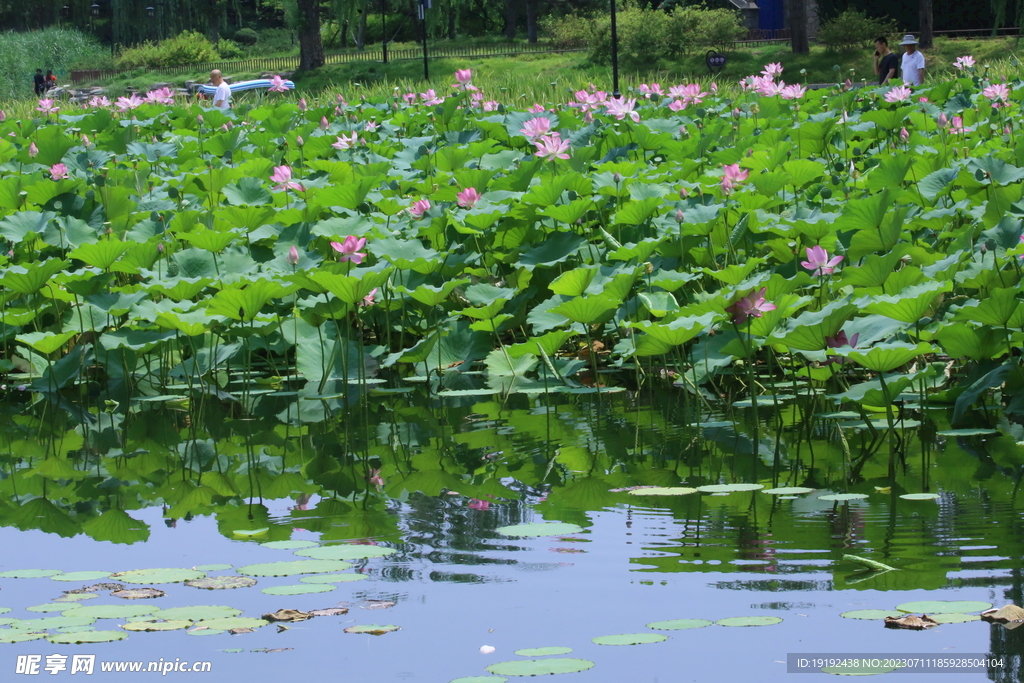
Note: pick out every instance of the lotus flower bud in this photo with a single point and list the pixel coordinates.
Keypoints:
(160, 248)
(736, 113)
(679, 216)
(904, 134)
(199, 119)
(323, 123)
(616, 177)
(683, 193)
(293, 256)
(943, 120)
(299, 141)
(32, 150)
(302, 104)
(3, 115)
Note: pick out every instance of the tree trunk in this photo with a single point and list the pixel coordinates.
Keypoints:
(798, 26)
(531, 20)
(511, 18)
(361, 31)
(451, 21)
(311, 47)
(924, 8)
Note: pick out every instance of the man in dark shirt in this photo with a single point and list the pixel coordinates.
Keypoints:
(887, 64)
(39, 80)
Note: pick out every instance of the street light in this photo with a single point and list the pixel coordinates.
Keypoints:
(151, 11)
(615, 56)
(421, 9)
(95, 9)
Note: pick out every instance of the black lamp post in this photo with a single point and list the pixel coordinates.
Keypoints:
(615, 56)
(384, 30)
(422, 7)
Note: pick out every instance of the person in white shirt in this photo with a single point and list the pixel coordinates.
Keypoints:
(913, 62)
(221, 98)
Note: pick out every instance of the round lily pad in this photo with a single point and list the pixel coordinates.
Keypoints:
(919, 496)
(173, 575)
(81, 576)
(87, 637)
(233, 649)
(75, 629)
(294, 567)
(138, 593)
(788, 490)
(372, 629)
(480, 679)
(539, 667)
(299, 589)
(9, 636)
(211, 583)
(205, 632)
(871, 614)
(175, 625)
(7, 621)
(30, 573)
(630, 639)
(48, 607)
(249, 533)
(749, 621)
(931, 607)
(76, 597)
(955, 618)
(663, 491)
(48, 623)
(110, 611)
(4, 610)
(729, 488)
(843, 496)
(332, 578)
(540, 529)
(863, 670)
(679, 624)
(543, 651)
(288, 545)
(225, 623)
(967, 432)
(348, 551)
(198, 612)
(211, 567)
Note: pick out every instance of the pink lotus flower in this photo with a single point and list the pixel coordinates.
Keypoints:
(752, 305)
(904, 134)
(957, 125)
(282, 175)
(766, 87)
(463, 77)
(652, 89)
(345, 142)
(85, 140)
(277, 85)
(733, 174)
(374, 477)
(588, 101)
(409, 97)
(160, 96)
(370, 126)
(48, 106)
(772, 70)
(430, 98)
(468, 198)
(98, 102)
(349, 249)
(129, 103)
(962, 63)
(900, 93)
(58, 171)
(841, 340)
(677, 105)
(537, 108)
(324, 123)
(997, 92)
(3, 116)
(819, 263)
(368, 299)
(621, 108)
(534, 128)
(793, 92)
(552, 147)
(490, 105)
(689, 94)
(943, 120)
(419, 208)
(476, 504)
(33, 151)
(339, 99)
(293, 256)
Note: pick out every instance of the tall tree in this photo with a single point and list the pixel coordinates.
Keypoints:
(311, 47)
(531, 20)
(924, 9)
(798, 27)
(511, 18)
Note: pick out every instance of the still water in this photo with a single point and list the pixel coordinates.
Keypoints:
(434, 478)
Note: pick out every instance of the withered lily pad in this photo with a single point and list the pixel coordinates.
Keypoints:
(272, 649)
(138, 593)
(377, 604)
(329, 612)
(294, 567)
(87, 637)
(539, 667)
(95, 587)
(1004, 614)
(173, 625)
(239, 631)
(911, 621)
(630, 639)
(221, 582)
(225, 623)
(172, 575)
(288, 615)
(76, 597)
(372, 629)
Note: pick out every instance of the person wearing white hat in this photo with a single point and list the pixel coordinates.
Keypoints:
(913, 62)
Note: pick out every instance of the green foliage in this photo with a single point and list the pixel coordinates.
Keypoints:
(853, 29)
(246, 36)
(53, 48)
(188, 47)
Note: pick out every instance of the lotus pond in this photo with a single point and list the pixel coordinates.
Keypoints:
(438, 388)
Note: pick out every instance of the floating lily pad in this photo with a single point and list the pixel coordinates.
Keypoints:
(933, 607)
(198, 612)
(288, 545)
(630, 639)
(76, 597)
(543, 651)
(110, 611)
(294, 567)
(4, 610)
(211, 583)
(81, 576)
(299, 589)
(233, 650)
(480, 679)
(75, 629)
(48, 607)
(967, 432)
(30, 573)
(871, 614)
(788, 491)
(7, 621)
(843, 496)
(679, 624)
(663, 491)
(749, 621)
(729, 488)
(172, 575)
(346, 552)
(211, 567)
(48, 623)
(175, 625)
(540, 667)
(863, 670)
(954, 618)
(919, 496)
(205, 631)
(332, 578)
(9, 636)
(87, 637)
(225, 623)
(372, 629)
(249, 533)
(138, 593)
(540, 529)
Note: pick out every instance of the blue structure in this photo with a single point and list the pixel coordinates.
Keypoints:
(771, 16)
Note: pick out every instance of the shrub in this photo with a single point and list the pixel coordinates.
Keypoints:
(853, 29)
(246, 36)
(53, 48)
(229, 49)
(188, 47)
(710, 28)
(568, 31)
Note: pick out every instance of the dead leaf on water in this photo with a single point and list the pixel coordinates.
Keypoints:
(329, 612)
(911, 621)
(97, 587)
(1005, 614)
(236, 631)
(377, 604)
(288, 615)
(138, 593)
(272, 649)
(566, 550)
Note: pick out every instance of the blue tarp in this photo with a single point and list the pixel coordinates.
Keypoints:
(262, 83)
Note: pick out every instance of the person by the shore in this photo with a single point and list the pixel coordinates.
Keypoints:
(913, 62)
(39, 82)
(887, 64)
(222, 97)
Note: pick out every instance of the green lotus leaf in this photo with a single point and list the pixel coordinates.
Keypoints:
(843, 496)
(919, 496)
(78, 637)
(944, 606)
(332, 578)
(873, 614)
(157, 625)
(729, 488)
(540, 529)
(663, 491)
(346, 551)
(289, 545)
(49, 623)
(48, 607)
(372, 629)
(954, 618)
(196, 613)
(787, 490)
(212, 567)
(204, 631)
(45, 342)
(630, 639)
(172, 575)
(110, 611)
(19, 636)
(100, 254)
(298, 589)
(679, 624)
(543, 651)
(885, 357)
(540, 667)
(294, 567)
(81, 576)
(749, 621)
(29, 573)
(30, 280)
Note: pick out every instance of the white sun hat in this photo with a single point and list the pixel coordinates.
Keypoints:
(909, 40)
